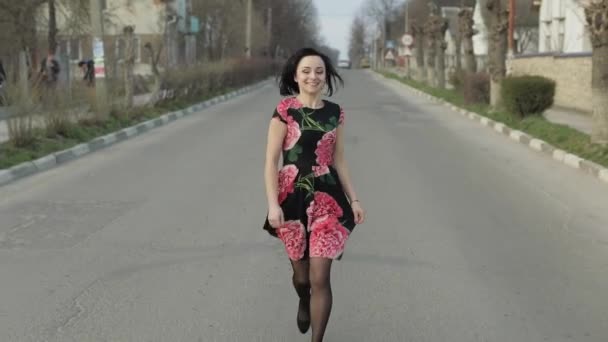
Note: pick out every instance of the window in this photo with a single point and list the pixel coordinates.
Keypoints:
(561, 33)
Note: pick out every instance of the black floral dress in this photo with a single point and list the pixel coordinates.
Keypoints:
(318, 216)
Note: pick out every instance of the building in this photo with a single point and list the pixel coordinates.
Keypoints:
(154, 21)
(563, 27)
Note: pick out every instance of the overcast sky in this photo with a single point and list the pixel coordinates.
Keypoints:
(335, 17)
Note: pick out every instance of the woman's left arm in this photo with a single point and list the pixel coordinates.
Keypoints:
(341, 166)
(342, 169)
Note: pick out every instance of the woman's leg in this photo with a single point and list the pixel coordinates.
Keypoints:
(301, 283)
(321, 300)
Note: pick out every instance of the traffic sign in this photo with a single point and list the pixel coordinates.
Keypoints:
(389, 55)
(407, 39)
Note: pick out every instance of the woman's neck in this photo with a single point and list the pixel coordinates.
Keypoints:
(310, 100)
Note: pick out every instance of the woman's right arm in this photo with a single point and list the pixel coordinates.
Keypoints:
(276, 134)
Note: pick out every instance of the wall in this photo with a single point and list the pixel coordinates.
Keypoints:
(563, 27)
(572, 74)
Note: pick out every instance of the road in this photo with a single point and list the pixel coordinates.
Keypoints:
(469, 237)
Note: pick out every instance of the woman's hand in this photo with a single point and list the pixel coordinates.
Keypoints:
(358, 212)
(275, 216)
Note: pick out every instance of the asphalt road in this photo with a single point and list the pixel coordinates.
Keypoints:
(469, 237)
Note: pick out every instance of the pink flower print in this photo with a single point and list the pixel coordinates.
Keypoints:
(293, 235)
(287, 176)
(285, 104)
(325, 148)
(293, 134)
(328, 238)
(322, 205)
(320, 170)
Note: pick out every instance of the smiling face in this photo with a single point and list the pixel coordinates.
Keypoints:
(310, 75)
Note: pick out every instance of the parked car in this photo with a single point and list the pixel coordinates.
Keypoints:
(364, 63)
(344, 64)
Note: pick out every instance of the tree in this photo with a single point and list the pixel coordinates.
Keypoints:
(356, 48)
(596, 14)
(382, 12)
(465, 25)
(129, 65)
(418, 14)
(436, 28)
(495, 17)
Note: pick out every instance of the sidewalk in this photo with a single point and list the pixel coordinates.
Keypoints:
(570, 117)
(138, 100)
(575, 119)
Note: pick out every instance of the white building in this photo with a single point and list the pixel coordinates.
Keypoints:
(563, 27)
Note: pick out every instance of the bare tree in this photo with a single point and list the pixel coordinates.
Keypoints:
(129, 63)
(495, 17)
(356, 49)
(382, 12)
(465, 23)
(596, 14)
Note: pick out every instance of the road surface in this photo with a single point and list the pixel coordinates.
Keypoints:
(469, 237)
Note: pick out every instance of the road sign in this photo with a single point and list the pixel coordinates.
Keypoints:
(389, 55)
(390, 44)
(407, 39)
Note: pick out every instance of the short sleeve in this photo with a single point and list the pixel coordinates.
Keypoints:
(341, 118)
(277, 115)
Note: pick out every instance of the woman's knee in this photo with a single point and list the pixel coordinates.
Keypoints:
(320, 277)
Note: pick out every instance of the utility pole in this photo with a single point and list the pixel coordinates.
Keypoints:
(101, 96)
(407, 16)
(248, 29)
(269, 31)
(190, 35)
(511, 27)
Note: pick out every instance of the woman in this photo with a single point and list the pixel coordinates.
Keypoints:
(312, 204)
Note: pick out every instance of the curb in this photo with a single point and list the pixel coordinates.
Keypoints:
(55, 159)
(571, 160)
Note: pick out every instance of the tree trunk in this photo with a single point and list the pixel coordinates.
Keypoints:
(129, 65)
(599, 88)
(419, 38)
(495, 18)
(458, 54)
(441, 47)
(52, 39)
(467, 32)
(440, 30)
(430, 61)
(596, 14)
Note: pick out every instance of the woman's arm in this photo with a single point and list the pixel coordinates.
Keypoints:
(276, 134)
(341, 166)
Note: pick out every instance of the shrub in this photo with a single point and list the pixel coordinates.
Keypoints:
(456, 79)
(476, 88)
(527, 95)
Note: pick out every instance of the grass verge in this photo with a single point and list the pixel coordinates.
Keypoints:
(88, 129)
(559, 136)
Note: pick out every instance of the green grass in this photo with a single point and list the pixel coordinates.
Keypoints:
(560, 136)
(87, 130)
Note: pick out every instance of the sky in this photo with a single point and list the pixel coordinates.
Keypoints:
(335, 17)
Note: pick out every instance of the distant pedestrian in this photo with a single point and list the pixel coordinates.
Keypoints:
(88, 71)
(49, 70)
(312, 204)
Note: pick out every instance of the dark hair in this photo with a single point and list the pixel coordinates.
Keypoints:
(287, 85)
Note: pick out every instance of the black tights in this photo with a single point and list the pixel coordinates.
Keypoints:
(312, 278)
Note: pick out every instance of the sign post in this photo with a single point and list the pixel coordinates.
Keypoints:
(408, 40)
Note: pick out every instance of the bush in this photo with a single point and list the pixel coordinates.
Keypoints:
(527, 95)
(476, 88)
(456, 79)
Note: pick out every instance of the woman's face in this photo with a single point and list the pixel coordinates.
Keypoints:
(310, 75)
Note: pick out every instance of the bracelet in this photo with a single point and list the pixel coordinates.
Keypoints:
(356, 200)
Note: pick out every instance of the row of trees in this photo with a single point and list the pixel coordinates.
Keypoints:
(428, 27)
(30, 28)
